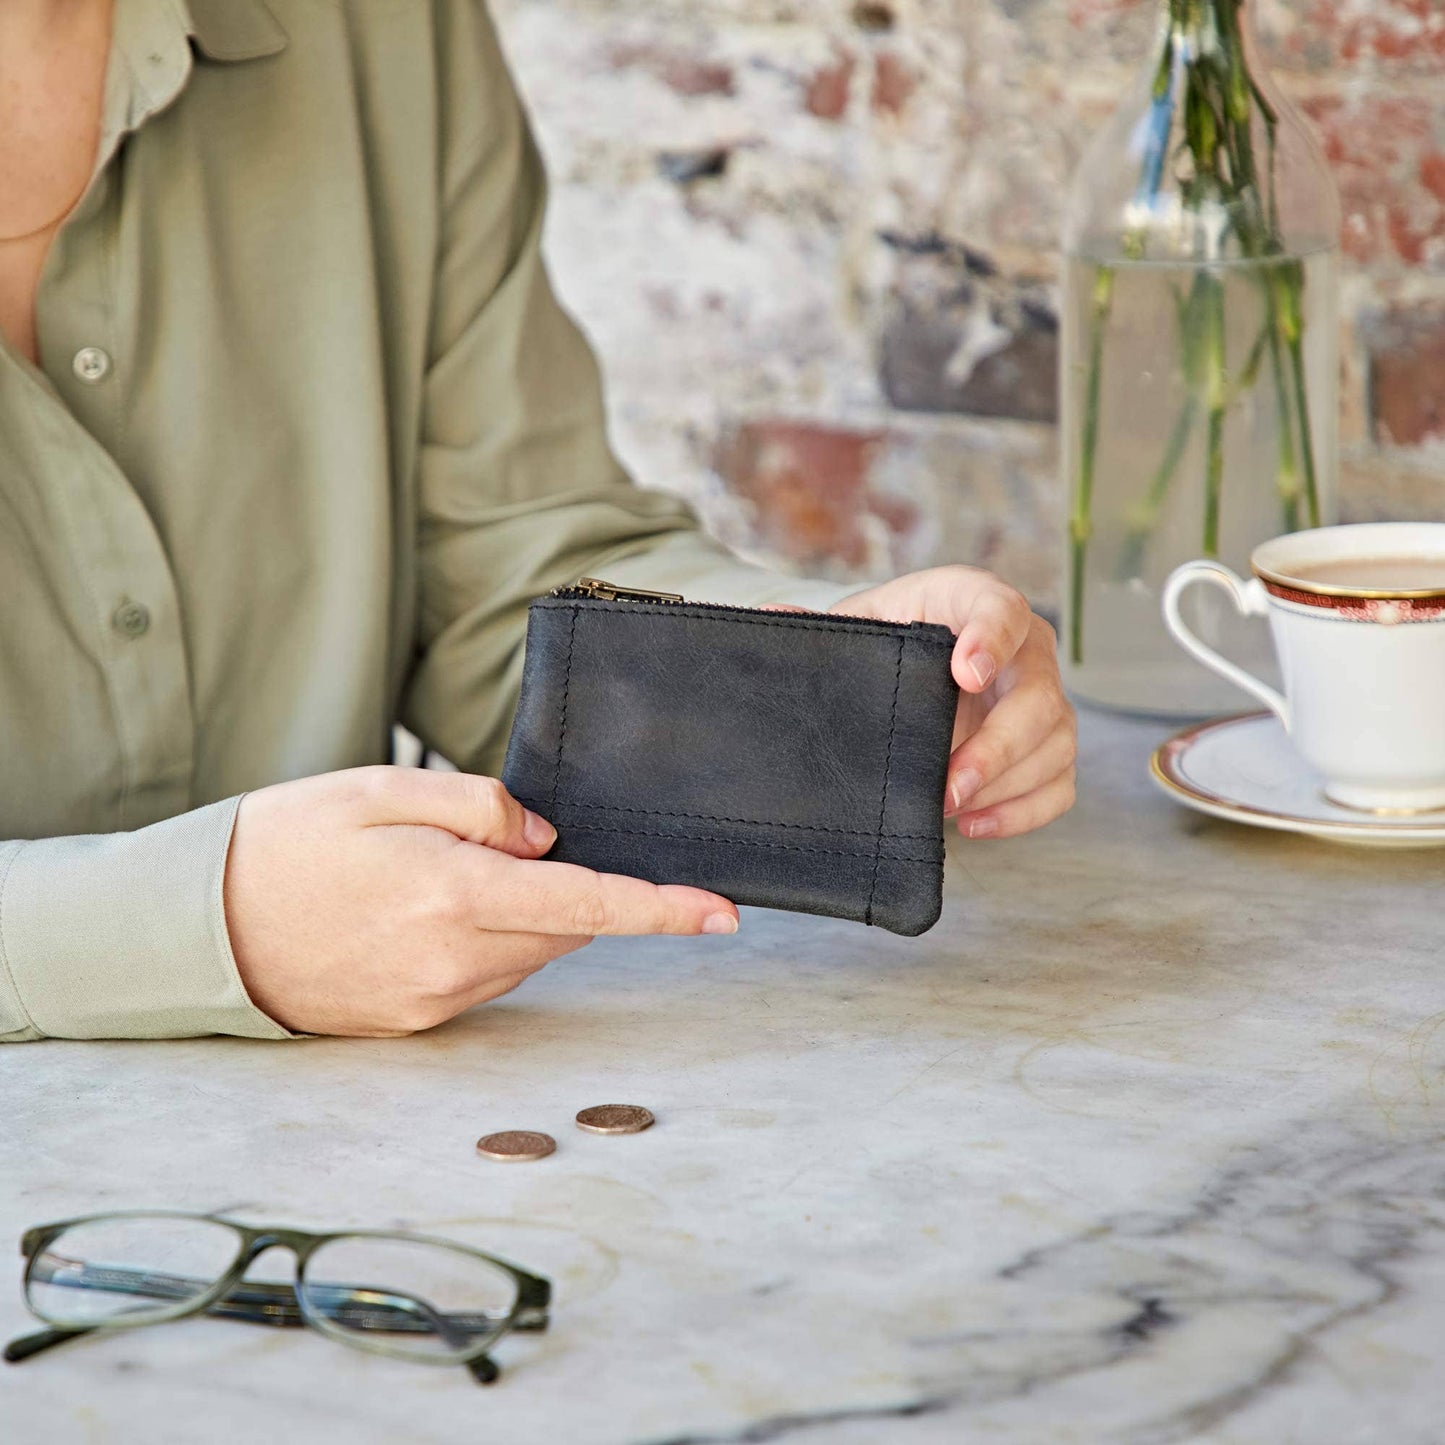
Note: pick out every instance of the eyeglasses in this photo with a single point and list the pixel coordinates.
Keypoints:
(409, 1296)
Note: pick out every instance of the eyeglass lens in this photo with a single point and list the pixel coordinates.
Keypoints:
(127, 1267)
(419, 1297)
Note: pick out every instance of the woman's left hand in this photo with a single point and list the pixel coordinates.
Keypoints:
(1012, 768)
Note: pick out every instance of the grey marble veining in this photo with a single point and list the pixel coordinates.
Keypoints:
(1144, 1143)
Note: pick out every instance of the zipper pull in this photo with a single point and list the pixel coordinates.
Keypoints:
(601, 591)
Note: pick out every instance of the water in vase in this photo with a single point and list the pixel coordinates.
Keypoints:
(1182, 438)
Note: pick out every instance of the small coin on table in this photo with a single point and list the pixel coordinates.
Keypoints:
(615, 1119)
(515, 1146)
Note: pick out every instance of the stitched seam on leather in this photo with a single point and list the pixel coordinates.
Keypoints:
(562, 727)
(750, 822)
(797, 624)
(754, 843)
(887, 768)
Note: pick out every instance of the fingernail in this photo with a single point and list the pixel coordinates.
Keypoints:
(963, 787)
(720, 923)
(537, 830)
(982, 827)
(982, 666)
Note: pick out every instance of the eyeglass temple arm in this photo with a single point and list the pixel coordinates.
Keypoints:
(483, 1369)
(361, 1307)
(365, 1306)
(38, 1343)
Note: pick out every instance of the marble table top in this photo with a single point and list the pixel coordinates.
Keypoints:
(1145, 1142)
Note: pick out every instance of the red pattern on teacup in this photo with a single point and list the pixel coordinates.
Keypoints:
(1386, 610)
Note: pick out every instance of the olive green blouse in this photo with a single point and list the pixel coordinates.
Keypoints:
(308, 432)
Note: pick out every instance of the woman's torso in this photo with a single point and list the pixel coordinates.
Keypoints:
(206, 525)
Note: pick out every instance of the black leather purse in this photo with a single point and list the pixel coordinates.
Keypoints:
(789, 760)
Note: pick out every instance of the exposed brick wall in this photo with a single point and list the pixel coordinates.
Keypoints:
(814, 243)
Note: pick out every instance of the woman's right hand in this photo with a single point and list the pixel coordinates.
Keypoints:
(383, 900)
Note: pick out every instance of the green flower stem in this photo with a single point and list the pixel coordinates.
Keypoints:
(1144, 521)
(1271, 129)
(1287, 480)
(1217, 393)
(1079, 521)
(1250, 373)
(1307, 445)
(1258, 231)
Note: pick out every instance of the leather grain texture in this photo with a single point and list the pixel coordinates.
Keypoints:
(784, 760)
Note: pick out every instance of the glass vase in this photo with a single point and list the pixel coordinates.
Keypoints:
(1199, 370)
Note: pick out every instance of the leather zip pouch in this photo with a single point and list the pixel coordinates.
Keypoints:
(788, 760)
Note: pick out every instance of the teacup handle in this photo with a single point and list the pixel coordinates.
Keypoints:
(1252, 601)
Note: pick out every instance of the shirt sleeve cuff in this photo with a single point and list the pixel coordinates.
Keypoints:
(123, 935)
(702, 570)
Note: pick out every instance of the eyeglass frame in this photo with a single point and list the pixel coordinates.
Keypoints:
(277, 1303)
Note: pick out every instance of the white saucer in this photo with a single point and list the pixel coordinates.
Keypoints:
(1245, 769)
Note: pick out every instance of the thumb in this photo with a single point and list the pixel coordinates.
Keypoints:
(474, 808)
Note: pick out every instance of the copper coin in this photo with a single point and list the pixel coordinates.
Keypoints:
(615, 1119)
(515, 1146)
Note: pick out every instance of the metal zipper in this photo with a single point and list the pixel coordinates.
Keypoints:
(600, 591)
(594, 589)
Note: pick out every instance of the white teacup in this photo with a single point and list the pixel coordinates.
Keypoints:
(1363, 666)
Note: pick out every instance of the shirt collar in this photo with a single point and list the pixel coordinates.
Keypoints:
(228, 30)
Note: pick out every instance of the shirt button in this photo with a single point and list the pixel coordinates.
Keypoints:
(131, 619)
(91, 364)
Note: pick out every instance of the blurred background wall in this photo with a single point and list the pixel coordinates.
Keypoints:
(814, 244)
